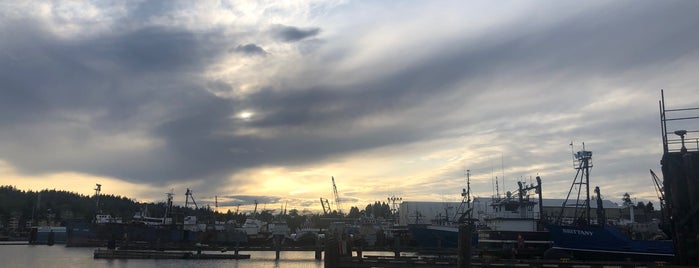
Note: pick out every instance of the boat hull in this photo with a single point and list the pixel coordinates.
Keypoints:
(604, 243)
(513, 244)
(509, 244)
(435, 236)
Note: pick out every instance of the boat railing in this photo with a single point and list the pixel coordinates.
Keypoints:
(678, 130)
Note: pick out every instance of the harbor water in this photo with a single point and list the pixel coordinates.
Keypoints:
(12, 256)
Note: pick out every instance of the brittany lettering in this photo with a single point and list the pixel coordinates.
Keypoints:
(577, 232)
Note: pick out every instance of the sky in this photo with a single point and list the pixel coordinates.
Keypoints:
(268, 100)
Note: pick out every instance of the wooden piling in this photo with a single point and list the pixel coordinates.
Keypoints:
(332, 254)
(464, 252)
(319, 249)
(396, 246)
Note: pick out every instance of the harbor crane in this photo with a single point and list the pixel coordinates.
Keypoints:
(326, 206)
(337, 197)
(659, 190)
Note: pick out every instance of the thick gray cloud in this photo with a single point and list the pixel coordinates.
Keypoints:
(293, 34)
(250, 49)
(61, 96)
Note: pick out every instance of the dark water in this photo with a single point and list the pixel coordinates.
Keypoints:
(61, 256)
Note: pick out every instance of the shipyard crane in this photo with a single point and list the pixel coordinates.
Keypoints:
(659, 190)
(326, 206)
(254, 211)
(337, 197)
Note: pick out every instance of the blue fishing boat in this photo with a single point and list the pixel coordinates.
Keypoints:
(604, 243)
(583, 239)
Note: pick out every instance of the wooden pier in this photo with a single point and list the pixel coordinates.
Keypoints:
(154, 254)
(443, 262)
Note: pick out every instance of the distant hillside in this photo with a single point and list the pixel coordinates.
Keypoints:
(19, 209)
(55, 207)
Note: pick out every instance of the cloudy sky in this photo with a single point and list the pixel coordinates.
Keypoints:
(266, 100)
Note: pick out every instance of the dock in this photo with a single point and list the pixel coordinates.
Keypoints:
(155, 254)
(439, 262)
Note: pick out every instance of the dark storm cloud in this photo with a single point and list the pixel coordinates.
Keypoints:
(154, 49)
(293, 34)
(131, 81)
(147, 80)
(250, 49)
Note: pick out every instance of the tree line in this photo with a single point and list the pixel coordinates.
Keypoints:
(57, 206)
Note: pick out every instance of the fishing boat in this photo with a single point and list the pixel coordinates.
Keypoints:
(512, 227)
(506, 226)
(443, 231)
(578, 237)
(145, 231)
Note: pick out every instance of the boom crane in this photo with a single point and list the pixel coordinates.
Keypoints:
(326, 206)
(665, 211)
(659, 189)
(337, 197)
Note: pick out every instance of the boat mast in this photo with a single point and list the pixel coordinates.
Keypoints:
(465, 199)
(168, 209)
(98, 189)
(188, 195)
(541, 199)
(582, 180)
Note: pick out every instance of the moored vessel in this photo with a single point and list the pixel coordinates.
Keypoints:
(584, 239)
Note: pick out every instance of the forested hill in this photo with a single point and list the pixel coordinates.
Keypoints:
(55, 205)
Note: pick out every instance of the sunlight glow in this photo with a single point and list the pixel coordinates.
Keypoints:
(246, 115)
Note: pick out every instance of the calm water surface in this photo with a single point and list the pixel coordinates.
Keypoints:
(61, 256)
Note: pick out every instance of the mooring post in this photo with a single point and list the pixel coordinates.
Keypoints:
(50, 239)
(465, 234)
(396, 246)
(319, 249)
(277, 246)
(318, 254)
